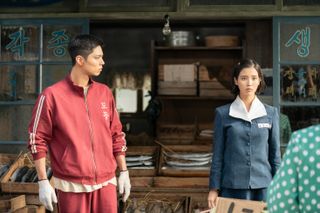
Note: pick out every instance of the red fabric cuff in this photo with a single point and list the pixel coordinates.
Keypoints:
(119, 153)
(39, 155)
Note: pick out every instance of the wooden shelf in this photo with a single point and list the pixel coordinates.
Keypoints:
(300, 104)
(200, 98)
(197, 48)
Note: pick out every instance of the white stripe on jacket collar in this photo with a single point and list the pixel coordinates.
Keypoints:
(238, 109)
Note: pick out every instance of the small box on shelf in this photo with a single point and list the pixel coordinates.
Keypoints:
(177, 79)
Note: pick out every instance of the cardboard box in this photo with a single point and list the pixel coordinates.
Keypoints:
(177, 72)
(231, 205)
(238, 205)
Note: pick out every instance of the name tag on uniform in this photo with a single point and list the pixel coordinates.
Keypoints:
(264, 125)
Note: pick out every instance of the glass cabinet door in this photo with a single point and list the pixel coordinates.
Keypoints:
(19, 42)
(297, 68)
(33, 56)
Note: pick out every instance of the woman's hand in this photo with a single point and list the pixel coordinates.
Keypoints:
(212, 198)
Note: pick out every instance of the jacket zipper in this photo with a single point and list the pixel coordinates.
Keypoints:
(91, 136)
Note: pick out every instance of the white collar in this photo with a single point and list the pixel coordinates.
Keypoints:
(238, 109)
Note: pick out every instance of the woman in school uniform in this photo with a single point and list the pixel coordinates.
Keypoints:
(246, 152)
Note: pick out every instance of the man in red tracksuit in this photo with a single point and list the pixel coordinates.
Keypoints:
(76, 121)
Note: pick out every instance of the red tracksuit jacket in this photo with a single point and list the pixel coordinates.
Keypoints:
(82, 134)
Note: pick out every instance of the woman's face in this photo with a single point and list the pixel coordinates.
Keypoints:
(248, 82)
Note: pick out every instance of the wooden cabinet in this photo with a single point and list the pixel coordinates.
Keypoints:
(179, 74)
(211, 84)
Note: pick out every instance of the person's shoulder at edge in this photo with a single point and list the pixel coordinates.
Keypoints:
(313, 128)
(297, 140)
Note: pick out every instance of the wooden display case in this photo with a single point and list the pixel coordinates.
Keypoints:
(213, 78)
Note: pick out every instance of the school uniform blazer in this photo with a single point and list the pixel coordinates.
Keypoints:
(246, 153)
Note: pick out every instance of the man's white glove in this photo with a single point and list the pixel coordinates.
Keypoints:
(124, 185)
(47, 194)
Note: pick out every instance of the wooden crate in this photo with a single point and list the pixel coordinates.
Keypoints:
(173, 134)
(32, 199)
(177, 203)
(181, 182)
(31, 209)
(214, 88)
(137, 182)
(205, 134)
(143, 151)
(10, 203)
(177, 72)
(7, 159)
(17, 187)
(177, 88)
(167, 170)
(222, 41)
(198, 203)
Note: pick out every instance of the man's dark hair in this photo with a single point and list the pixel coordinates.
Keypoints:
(83, 45)
(247, 63)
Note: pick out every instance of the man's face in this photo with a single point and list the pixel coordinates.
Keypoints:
(93, 65)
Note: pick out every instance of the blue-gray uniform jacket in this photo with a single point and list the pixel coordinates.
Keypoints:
(246, 154)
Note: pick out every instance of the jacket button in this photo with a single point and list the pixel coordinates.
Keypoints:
(248, 163)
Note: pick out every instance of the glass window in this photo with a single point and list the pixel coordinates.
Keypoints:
(300, 83)
(55, 41)
(18, 82)
(54, 73)
(33, 56)
(301, 117)
(20, 42)
(14, 121)
(296, 42)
